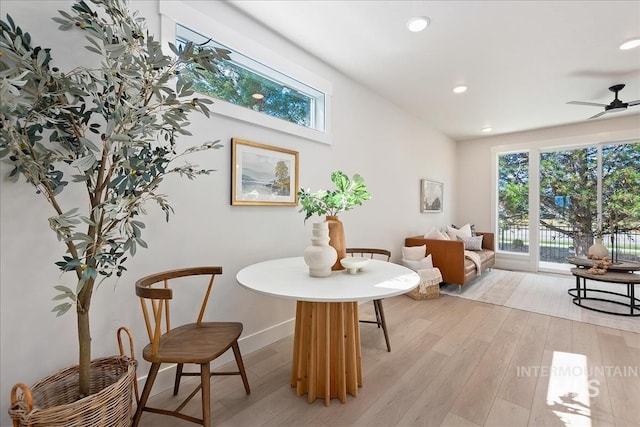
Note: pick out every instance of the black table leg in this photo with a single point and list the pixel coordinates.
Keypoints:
(580, 296)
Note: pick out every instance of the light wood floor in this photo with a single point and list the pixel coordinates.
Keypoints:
(454, 362)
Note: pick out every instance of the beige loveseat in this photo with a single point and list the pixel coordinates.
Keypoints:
(449, 257)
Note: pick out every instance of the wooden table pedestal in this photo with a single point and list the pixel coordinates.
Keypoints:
(326, 351)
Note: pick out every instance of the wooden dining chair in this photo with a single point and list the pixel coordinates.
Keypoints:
(192, 343)
(377, 304)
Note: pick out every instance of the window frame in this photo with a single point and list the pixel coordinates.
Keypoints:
(172, 13)
(516, 254)
(531, 261)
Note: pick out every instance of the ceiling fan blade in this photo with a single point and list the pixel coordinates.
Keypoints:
(632, 103)
(592, 104)
(597, 115)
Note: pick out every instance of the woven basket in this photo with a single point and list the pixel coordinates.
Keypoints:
(430, 279)
(53, 401)
(430, 292)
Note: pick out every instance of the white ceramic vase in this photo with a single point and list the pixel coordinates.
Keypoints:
(320, 256)
(598, 249)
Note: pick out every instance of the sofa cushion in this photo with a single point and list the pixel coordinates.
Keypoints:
(469, 267)
(488, 258)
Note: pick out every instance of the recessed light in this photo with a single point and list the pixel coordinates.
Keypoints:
(487, 129)
(418, 23)
(460, 89)
(630, 44)
(257, 96)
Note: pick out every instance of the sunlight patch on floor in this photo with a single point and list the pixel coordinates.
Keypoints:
(568, 393)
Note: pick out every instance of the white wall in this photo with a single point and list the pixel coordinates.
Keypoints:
(475, 180)
(391, 149)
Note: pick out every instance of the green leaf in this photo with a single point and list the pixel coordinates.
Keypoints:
(93, 49)
(42, 56)
(120, 137)
(64, 289)
(89, 144)
(84, 163)
(89, 272)
(65, 14)
(340, 180)
(61, 309)
(174, 49)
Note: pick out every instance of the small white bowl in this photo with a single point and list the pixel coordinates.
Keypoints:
(353, 264)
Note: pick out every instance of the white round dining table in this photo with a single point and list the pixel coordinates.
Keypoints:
(327, 360)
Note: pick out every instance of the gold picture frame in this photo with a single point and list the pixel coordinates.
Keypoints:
(263, 175)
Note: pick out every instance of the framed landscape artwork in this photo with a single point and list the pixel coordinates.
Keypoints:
(263, 174)
(431, 193)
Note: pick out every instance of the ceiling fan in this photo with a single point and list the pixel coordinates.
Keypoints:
(615, 105)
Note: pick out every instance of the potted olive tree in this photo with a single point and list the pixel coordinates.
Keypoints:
(110, 130)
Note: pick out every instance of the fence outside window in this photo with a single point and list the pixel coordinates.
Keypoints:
(556, 246)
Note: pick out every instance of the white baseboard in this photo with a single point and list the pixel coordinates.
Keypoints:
(248, 344)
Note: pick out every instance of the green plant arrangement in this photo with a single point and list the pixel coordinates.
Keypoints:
(107, 132)
(348, 194)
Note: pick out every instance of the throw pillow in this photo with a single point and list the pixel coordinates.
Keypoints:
(421, 264)
(473, 228)
(436, 234)
(473, 243)
(464, 231)
(414, 253)
(432, 234)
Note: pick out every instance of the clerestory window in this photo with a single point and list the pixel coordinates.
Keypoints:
(247, 83)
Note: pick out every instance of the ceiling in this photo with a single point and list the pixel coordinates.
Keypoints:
(522, 60)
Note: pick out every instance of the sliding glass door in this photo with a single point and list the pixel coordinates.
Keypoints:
(568, 203)
(552, 204)
(620, 219)
(513, 202)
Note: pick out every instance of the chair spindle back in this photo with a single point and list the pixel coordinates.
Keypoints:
(155, 300)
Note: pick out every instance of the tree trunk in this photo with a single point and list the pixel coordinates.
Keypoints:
(84, 341)
(84, 338)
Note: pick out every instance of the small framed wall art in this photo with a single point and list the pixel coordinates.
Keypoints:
(263, 174)
(431, 193)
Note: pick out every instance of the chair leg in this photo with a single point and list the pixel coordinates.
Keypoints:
(383, 322)
(153, 372)
(176, 384)
(243, 374)
(377, 311)
(205, 381)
